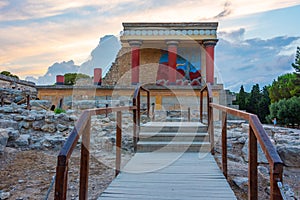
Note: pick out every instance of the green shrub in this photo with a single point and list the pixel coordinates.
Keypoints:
(286, 111)
(59, 110)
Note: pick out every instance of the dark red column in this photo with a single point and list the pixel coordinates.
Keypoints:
(60, 79)
(210, 56)
(172, 57)
(97, 76)
(135, 61)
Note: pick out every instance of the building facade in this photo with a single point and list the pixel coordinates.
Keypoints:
(165, 54)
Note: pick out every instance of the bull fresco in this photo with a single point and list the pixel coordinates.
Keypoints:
(187, 67)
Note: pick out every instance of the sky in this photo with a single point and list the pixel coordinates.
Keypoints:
(36, 34)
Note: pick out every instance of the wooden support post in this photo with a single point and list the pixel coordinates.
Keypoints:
(134, 126)
(28, 102)
(61, 180)
(148, 104)
(153, 111)
(224, 143)
(189, 114)
(211, 126)
(118, 143)
(275, 176)
(138, 115)
(84, 162)
(201, 107)
(60, 105)
(252, 166)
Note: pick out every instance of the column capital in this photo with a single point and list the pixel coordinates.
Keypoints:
(172, 42)
(210, 42)
(135, 43)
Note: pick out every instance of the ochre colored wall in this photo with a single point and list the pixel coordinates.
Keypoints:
(55, 94)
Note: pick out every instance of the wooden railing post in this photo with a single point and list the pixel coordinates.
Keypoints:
(275, 176)
(201, 106)
(153, 111)
(211, 126)
(252, 166)
(138, 114)
(134, 102)
(118, 142)
(148, 104)
(28, 102)
(60, 105)
(84, 161)
(224, 143)
(61, 180)
(189, 114)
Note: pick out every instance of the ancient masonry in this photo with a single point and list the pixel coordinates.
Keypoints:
(165, 54)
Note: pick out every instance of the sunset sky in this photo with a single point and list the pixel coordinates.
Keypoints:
(36, 34)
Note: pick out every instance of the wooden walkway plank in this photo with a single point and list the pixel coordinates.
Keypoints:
(169, 176)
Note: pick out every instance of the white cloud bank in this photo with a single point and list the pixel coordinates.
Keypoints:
(250, 61)
(101, 57)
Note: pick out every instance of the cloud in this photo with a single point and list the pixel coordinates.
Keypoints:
(56, 69)
(250, 61)
(101, 57)
(35, 34)
(227, 11)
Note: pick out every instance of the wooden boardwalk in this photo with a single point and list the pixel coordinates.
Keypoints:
(173, 176)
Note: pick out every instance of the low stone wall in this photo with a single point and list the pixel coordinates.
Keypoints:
(14, 83)
(33, 129)
(42, 129)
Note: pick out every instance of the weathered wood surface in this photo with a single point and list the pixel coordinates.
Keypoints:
(169, 176)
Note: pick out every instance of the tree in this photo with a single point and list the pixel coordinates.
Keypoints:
(7, 73)
(263, 105)
(286, 111)
(71, 78)
(256, 102)
(241, 98)
(254, 99)
(285, 87)
(296, 65)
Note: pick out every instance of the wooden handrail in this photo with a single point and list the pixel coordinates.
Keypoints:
(82, 129)
(256, 133)
(137, 113)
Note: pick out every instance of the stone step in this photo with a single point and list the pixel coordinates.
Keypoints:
(183, 127)
(173, 136)
(176, 119)
(150, 146)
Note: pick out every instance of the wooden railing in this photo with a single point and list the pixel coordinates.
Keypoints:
(256, 133)
(82, 129)
(137, 112)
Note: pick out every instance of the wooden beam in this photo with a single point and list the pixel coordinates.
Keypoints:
(84, 162)
(252, 166)
(118, 143)
(224, 143)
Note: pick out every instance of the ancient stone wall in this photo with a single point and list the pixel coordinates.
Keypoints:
(120, 67)
(34, 129)
(120, 72)
(14, 83)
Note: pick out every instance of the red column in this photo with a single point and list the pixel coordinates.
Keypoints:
(135, 61)
(210, 56)
(172, 57)
(60, 79)
(97, 76)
